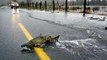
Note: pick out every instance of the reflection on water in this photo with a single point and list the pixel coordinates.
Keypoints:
(15, 18)
(15, 11)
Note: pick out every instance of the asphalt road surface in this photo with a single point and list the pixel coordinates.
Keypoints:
(75, 44)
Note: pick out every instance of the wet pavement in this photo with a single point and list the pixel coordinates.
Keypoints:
(75, 43)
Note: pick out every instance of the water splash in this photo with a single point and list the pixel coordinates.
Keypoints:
(88, 49)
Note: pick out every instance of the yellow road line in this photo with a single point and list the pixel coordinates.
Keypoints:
(40, 52)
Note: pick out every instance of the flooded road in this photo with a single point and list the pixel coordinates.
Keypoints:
(74, 43)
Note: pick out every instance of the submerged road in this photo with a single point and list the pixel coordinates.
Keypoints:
(16, 29)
